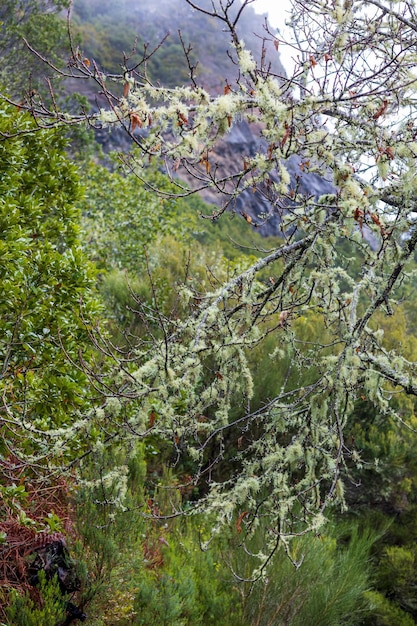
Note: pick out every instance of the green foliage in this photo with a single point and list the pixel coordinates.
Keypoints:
(40, 24)
(191, 588)
(168, 67)
(22, 611)
(148, 245)
(231, 232)
(397, 575)
(386, 613)
(387, 474)
(109, 30)
(387, 466)
(141, 570)
(104, 41)
(326, 586)
(121, 217)
(288, 345)
(395, 580)
(155, 572)
(108, 34)
(46, 283)
(112, 532)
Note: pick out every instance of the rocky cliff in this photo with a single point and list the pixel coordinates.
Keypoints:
(239, 144)
(106, 26)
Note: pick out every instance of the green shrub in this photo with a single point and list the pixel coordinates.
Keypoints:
(325, 588)
(191, 587)
(23, 611)
(386, 613)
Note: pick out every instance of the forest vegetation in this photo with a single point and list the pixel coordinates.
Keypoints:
(200, 424)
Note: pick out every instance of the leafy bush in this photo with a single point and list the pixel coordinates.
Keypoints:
(324, 585)
(23, 611)
(191, 587)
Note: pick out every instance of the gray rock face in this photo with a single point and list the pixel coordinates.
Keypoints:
(243, 142)
(268, 215)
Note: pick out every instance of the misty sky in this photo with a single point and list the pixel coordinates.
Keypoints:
(278, 13)
(276, 9)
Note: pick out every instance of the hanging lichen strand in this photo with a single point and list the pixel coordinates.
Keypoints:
(348, 111)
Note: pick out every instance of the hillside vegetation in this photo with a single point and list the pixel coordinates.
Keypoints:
(108, 30)
(111, 455)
